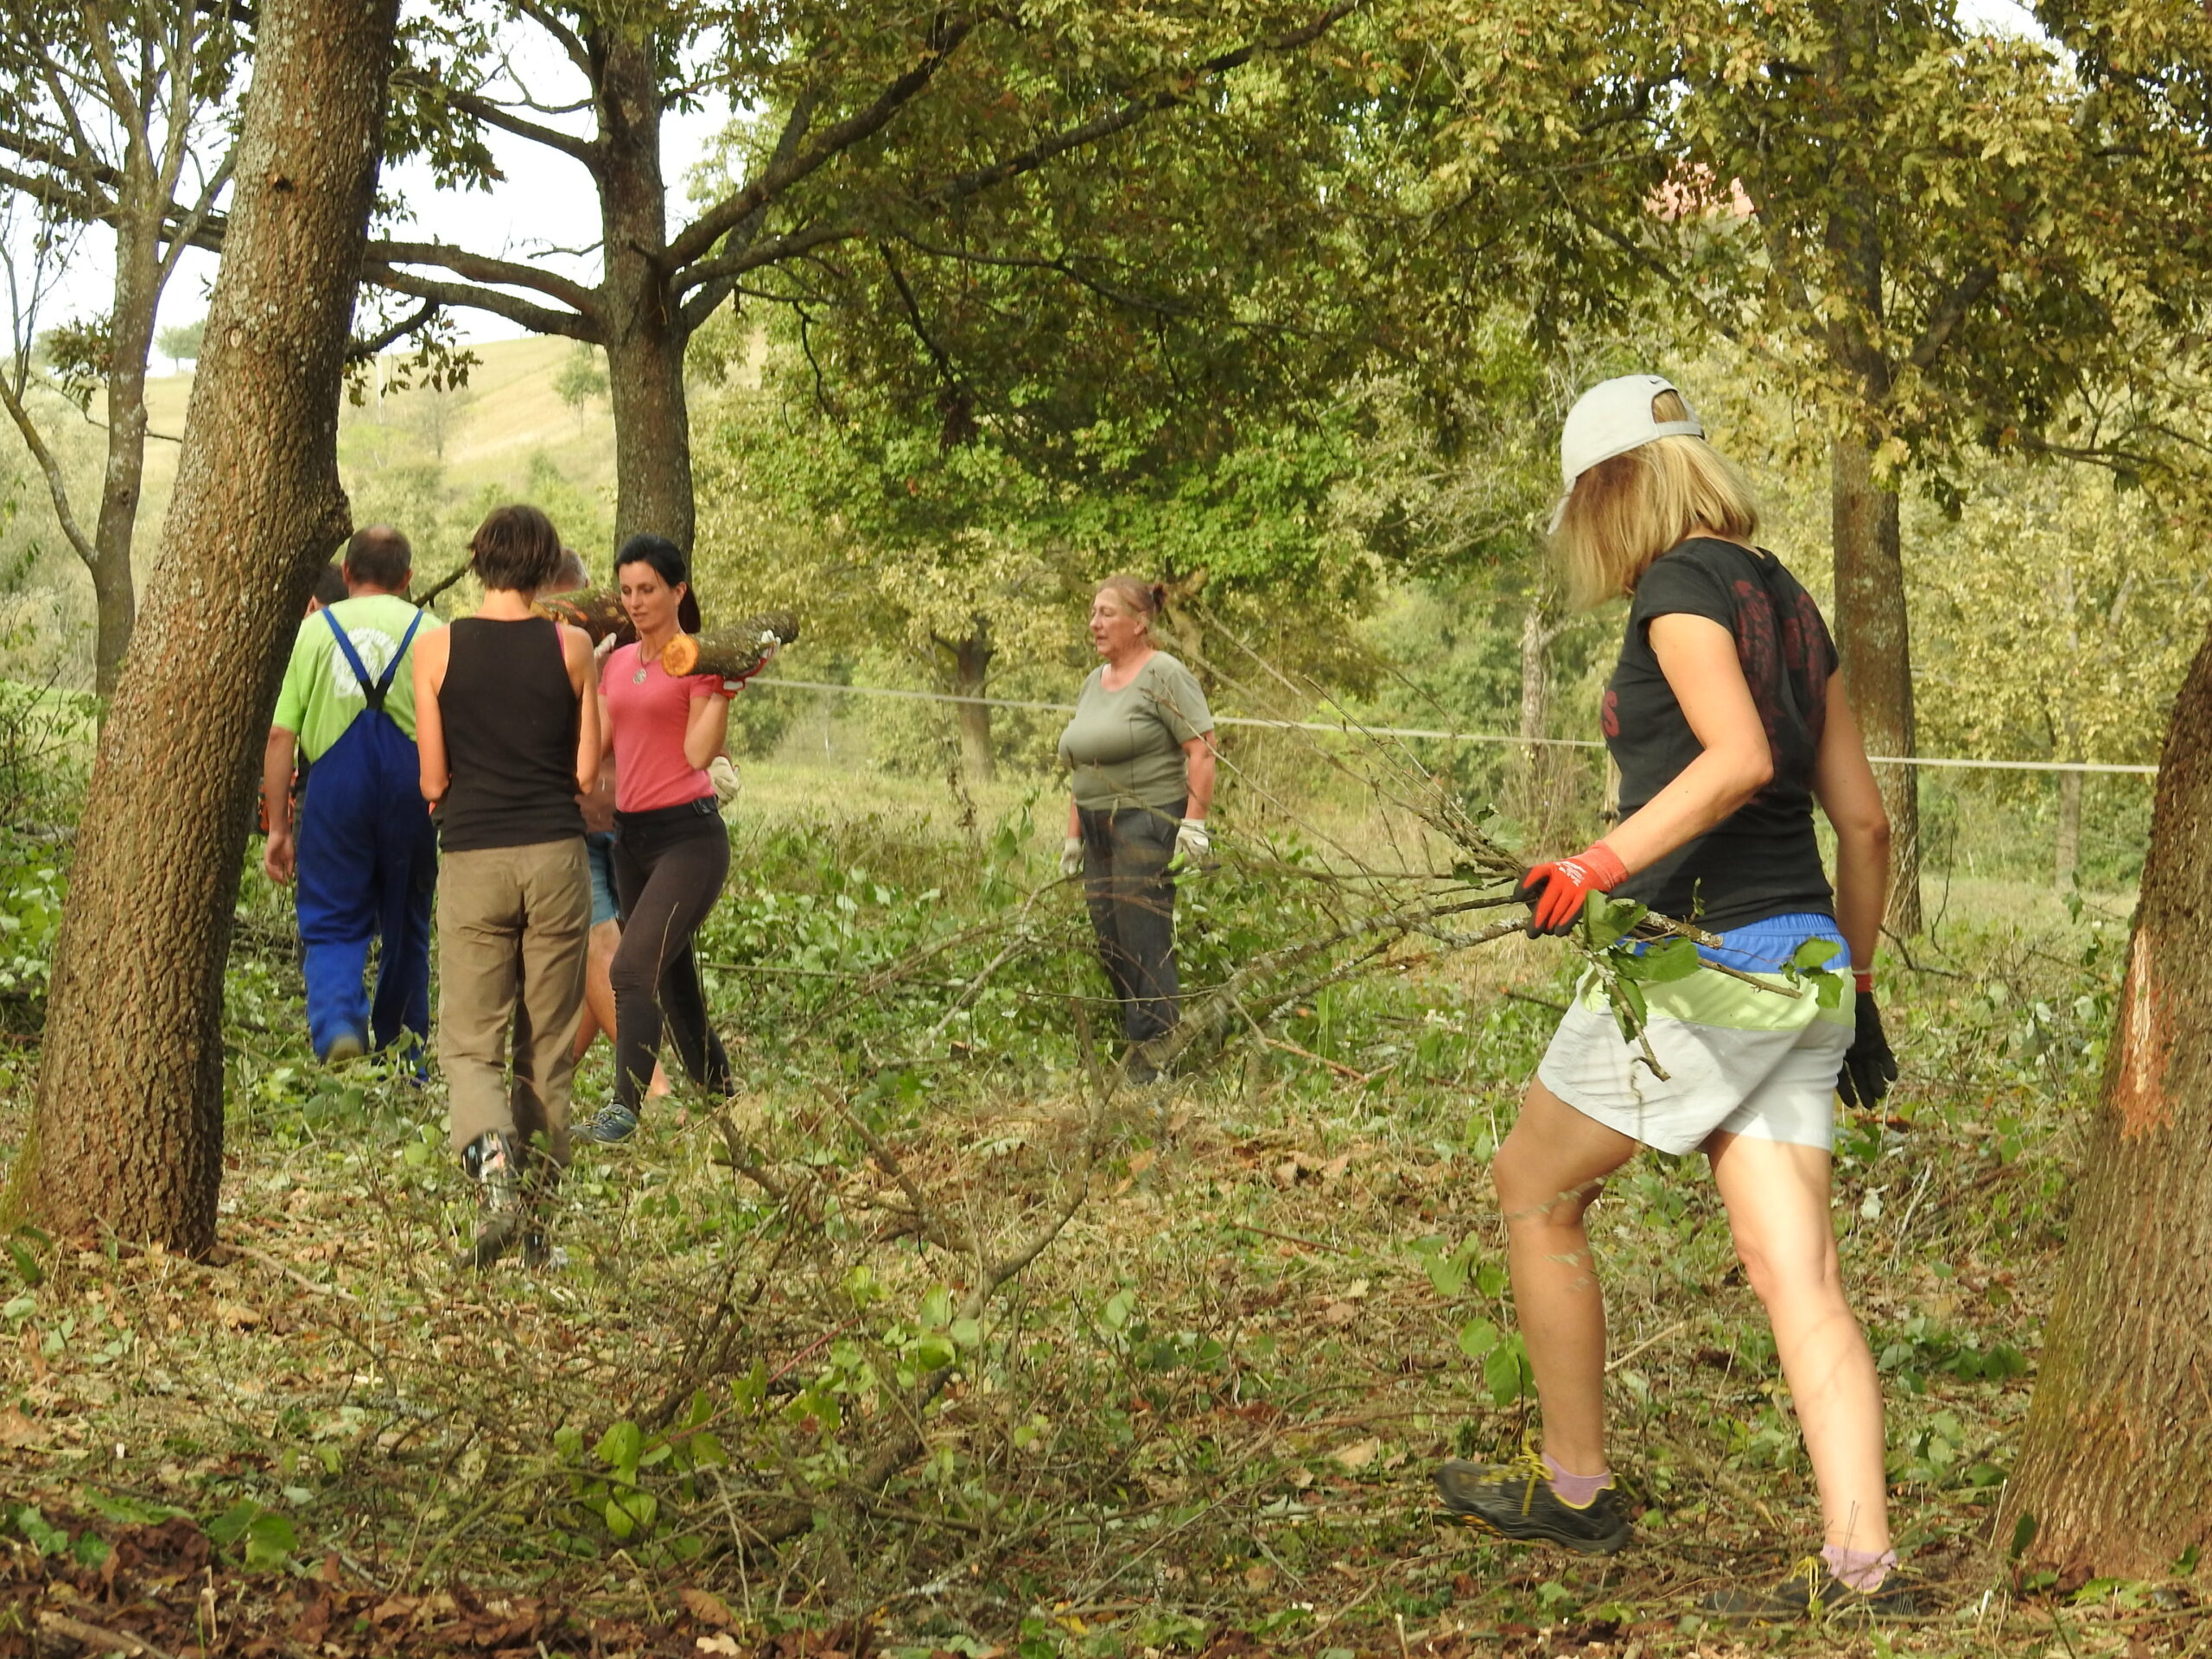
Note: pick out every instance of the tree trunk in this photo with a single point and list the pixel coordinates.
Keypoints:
(131, 339)
(2117, 1451)
(644, 329)
(1874, 640)
(2067, 857)
(1533, 804)
(971, 663)
(2068, 863)
(128, 1133)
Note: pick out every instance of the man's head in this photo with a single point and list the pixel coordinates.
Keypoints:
(329, 588)
(571, 576)
(378, 560)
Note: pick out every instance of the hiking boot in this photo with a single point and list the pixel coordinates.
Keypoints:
(1516, 1500)
(1812, 1592)
(610, 1125)
(492, 1161)
(348, 1045)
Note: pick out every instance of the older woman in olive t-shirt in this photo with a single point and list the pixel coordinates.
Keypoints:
(1142, 756)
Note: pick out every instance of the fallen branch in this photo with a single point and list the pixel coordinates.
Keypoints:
(98, 1637)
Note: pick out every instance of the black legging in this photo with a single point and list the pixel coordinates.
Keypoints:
(669, 866)
(1126, 853)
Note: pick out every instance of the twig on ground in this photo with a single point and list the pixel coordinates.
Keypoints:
(97, 1638)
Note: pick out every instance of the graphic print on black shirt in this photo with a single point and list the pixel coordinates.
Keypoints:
(1762, 859)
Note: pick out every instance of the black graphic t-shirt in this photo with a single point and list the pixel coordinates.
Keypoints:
(1761, 860)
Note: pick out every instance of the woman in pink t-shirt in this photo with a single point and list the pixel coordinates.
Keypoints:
(671, 853)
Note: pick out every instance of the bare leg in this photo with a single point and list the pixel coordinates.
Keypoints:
(599, 999)
(1777, 1200)
(1547, 1173)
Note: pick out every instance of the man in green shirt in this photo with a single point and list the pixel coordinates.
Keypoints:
(366, 853)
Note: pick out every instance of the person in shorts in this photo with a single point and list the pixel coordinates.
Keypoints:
(1726, 717)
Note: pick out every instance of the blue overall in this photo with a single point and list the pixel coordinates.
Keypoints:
(367, 865)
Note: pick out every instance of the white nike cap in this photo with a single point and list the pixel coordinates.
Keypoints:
(1613, 417)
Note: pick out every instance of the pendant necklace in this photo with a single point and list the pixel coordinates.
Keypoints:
(638, 678)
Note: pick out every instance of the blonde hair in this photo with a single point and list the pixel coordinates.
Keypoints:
(1142, 598)
(1626, 511)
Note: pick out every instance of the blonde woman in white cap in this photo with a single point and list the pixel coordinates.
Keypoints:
(1726, 717)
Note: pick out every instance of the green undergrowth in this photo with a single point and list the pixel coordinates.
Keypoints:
(780, 1366)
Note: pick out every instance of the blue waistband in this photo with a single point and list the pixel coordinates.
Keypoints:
(1766, 947)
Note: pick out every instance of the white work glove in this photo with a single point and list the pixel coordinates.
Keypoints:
(722, 772)
(1071, 856)
(1192, 844)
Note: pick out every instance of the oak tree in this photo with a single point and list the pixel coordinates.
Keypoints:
(127, 1131)
(896, 146)
(120, 117)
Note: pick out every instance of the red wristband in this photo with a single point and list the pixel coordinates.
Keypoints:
(1862, 981)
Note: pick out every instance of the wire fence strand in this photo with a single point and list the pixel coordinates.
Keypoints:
(1346, 728)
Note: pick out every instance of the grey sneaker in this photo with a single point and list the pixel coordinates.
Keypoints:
(1812, 1592)
(1516, 1500)
(494, 1163)
(610, 1125)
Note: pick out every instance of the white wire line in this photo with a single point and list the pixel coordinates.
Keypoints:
(1349, 730)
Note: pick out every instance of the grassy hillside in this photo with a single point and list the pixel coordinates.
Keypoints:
(431, 462)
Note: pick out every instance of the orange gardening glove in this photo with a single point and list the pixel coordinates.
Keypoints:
(1554, 892)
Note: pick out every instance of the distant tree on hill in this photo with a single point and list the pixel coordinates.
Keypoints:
(179, 342)
(582, 376)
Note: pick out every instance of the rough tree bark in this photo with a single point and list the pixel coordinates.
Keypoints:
(128, 1133)
(970, 657)
(644, 332)
(2117, 1452)
(1874, 638)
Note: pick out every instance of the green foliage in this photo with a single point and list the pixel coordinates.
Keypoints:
(180, 342)
(261, 1539)
(76, 354)
(582, 376)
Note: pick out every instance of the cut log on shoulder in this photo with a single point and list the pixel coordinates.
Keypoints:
(597, 611)
(734, 653)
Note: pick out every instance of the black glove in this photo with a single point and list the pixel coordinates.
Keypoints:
(1869, 1068)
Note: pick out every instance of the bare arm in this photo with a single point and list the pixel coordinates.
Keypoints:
(1199, 763)
(576, 650)
(1844, 784)
(279, 859)
(707, 730)
(428, 665)
(1697, 657)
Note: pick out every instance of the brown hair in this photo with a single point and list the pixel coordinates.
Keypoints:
(1627, 510)
(1143, 599)
(516, 548)
(379, 555)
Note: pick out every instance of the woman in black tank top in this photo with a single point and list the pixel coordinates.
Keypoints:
(509, 736)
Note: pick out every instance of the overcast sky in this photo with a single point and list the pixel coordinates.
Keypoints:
(546, 201)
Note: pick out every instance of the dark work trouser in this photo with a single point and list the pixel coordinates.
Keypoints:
(1132, 902)
(669, 865)
(368, 866)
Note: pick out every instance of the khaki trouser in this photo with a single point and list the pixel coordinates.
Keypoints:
(513, 926)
